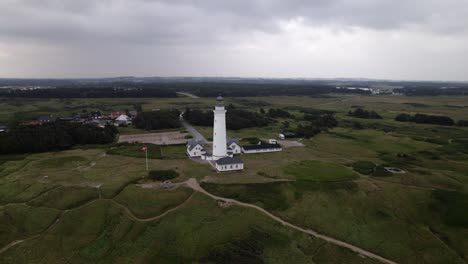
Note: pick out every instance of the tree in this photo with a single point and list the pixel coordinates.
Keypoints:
(157, 120)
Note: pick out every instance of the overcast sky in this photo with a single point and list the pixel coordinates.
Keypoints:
(390, 39)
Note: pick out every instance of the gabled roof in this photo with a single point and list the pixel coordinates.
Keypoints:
(123, 118)
(229, 141)
(191, 144)
(229, 161)
(262, 146)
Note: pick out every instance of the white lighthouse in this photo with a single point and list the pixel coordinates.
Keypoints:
(219, 130)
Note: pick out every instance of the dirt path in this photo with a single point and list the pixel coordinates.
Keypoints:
(135, 218)
(125, 208)
(192, 183)
(188, 95)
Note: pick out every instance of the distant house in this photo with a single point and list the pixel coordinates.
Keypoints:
(3, 129)
(46, 119)
(233, 145)
(123, 120)
(95, 115)
(116, 114)
(229, 164)
(195, 148)
(261, 148)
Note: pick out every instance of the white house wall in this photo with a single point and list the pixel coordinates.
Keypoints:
(260, 151)
(230, 167)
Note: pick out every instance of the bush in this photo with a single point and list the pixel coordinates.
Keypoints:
(364, 167)
(188, 137)
(162, 175)
(361, 113)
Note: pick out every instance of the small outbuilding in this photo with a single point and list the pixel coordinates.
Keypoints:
(229, 164)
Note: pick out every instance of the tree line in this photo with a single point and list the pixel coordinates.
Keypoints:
(426, 119)
(53, 137)
(164, 119)
(235, 118)
(89, 92)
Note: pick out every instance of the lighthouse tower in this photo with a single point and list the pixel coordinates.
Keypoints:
(219, 130)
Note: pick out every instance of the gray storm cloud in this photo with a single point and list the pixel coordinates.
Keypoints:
(271, 38)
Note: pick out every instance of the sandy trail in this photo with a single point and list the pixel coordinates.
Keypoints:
(192, 183)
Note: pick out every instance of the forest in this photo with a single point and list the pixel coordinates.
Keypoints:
(165, 119)
(53, 137)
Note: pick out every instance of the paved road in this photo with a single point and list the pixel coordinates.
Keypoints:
(192, 183)
(188, 94)
(195, 134)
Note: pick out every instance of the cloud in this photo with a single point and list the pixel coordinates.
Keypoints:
(212, 37)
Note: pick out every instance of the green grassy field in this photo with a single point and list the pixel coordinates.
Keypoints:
(334, 185)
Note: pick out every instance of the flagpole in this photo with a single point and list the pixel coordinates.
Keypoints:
(146, 152)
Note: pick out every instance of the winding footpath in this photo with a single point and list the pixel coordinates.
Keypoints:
(192, 183)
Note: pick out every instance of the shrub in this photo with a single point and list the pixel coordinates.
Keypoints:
(162, 175)
(361, 113)
(364, 167)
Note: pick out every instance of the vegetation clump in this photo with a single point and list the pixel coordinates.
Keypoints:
(53, 136)
(361, 113)
(158, 120)
(278, 113)
(162, 175)
(426, 119)
(318, 123)
(364, 167)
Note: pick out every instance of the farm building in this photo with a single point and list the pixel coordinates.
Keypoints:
(229, 164)
(261, 148)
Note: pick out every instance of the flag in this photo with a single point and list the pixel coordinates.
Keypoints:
(144, 149)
